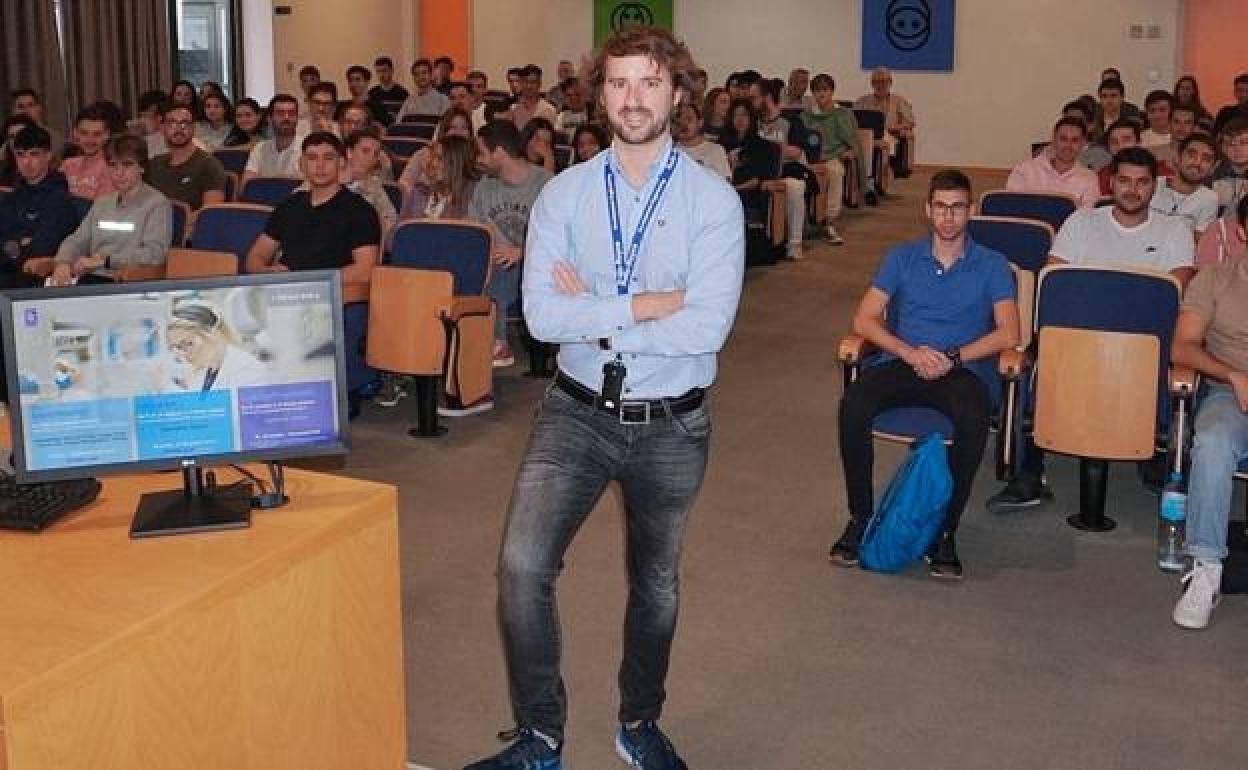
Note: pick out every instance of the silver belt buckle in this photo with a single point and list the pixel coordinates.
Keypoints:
(624, 406)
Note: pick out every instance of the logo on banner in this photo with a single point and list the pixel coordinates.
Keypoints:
(909, 24)
(630, 14)
(912, 35)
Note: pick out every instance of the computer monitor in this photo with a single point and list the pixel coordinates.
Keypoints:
(182, 374)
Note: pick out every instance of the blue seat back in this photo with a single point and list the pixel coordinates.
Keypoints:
(232, 159)
(1112, 300)
(403, 147)
(1050, 209)
(268, 190)
(461, 249)
(411, 130)
(179, 224)
(1025, 243)
(232, 228)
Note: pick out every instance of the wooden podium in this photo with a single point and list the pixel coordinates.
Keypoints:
(267, 648)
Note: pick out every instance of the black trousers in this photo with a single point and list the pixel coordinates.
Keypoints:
(959, 395)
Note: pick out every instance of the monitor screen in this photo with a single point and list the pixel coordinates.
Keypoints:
(126, 377)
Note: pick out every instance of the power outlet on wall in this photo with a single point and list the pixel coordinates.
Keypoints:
(1136, 31)
(1153, 32)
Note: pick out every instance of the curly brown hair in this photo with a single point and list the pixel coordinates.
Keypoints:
(660, 45)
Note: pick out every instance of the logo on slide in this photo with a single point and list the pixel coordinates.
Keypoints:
(31, 317)
(908, 24)
(628, 14)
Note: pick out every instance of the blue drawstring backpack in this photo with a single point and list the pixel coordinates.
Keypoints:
(912, 512)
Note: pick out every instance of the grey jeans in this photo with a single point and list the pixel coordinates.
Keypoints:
(574, 452)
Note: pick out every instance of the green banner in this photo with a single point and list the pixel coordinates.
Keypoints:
(610, 15)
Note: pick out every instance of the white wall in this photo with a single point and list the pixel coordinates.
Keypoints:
(1015, 63)
(258, 69)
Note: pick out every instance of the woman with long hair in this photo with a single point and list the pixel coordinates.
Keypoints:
(447, 181)
(588, 140)
(251, 124)
(184, 94)
(715, 112)
(753, 158)
(1187, 94)
(217, 123)
(538, 139)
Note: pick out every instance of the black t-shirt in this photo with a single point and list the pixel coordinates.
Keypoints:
(395, 93)
(323, 237)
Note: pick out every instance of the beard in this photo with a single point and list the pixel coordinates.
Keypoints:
(645, 130)
(1131, 206)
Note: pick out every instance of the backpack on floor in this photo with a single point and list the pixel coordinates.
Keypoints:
(912, 511)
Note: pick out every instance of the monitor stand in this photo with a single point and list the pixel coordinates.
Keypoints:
(193, 508)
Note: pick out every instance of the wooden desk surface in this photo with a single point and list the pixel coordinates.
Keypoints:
(75, 594)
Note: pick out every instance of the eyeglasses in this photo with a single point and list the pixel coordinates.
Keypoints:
(179, 123)
(1238, 143)
(945, 209)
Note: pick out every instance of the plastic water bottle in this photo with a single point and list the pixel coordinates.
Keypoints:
(1171, 525)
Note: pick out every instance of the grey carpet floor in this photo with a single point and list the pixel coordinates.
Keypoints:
(1057, 651)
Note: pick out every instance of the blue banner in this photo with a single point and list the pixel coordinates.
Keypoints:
(908, 34)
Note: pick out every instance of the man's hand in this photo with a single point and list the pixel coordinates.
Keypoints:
(62, 275)
(1239, 383)
(929, 364)
(87, 264)
(567, 281)
(656, 305)
(506, 256)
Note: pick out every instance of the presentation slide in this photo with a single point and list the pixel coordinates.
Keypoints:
(176, 374)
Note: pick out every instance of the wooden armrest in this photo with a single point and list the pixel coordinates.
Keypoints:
(1010, 363)
(468, 305)
(772, 185)
(40, 266)
(853, 349)
(131, 273)
(1182, 381)
(354, 292)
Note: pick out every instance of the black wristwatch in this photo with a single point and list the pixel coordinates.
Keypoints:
(955, 356)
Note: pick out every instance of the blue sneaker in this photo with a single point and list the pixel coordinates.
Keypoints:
(646, 747)
(529, 751)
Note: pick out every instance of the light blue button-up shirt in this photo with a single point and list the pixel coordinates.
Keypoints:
(695, 243)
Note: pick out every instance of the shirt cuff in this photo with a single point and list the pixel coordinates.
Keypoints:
(619, 313)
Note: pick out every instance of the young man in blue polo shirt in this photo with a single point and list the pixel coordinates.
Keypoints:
(950, 306)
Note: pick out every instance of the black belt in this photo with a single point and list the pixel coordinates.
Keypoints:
(633, 412)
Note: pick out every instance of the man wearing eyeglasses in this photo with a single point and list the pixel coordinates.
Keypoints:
(185, 173)
(951, 309)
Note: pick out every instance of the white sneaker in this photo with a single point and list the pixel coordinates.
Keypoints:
(795, 252)
(477, 407)
(833, 236)
(1204, 589)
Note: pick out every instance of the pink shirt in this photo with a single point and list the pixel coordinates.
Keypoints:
(1220, 243)
(1038, 175)
(88, 177)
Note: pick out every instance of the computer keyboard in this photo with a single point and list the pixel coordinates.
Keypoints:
(32, 507)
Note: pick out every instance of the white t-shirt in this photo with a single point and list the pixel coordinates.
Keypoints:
(266, 160)
(1094, 237)
(1197, 210)
(1150, 138)
(711, 155)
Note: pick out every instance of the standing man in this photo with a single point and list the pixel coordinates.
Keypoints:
(634, 266)
(955, 310)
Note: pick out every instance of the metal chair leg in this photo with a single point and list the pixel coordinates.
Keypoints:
(427, 408)
(1093, 481)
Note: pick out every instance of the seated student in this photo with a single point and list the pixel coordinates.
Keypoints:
(1237, 110)
(184, 93)
(899, 121)
(217, 123)
(1127, 233)
(361, 176)
(1210, 337)
(1056, 169)
(454, 122)
(715, 112)
(39, 214)
(186, 173)
(251, 125)
(322, 107)
(1112, 107)
(539, 144)
(425, 99)
(443, 66)
(12, 126)
(359, 95)
(687, 131)
(1187, 94)
(479, 83)
(1230, 177)
(530, 103)
(1157, 107)
(281, 155)
(146, 123)
(1226, 240)
(754, 159)
(839, 129)
(1078, 109)
(564, 71)
(1184, 194)
(1121, 135)
(1182, 124)
(591, 139)
(128, 227)
(386, 89)
(309, 76)
(795, 96)
(26, 101)
(448, 181)
(326, 227)
(955, 310)
(789, 137)
(503, 200)
(697, 86)
(88, 173)
(574, 112)
(515, 76)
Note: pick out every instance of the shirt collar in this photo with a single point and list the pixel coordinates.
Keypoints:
(651, 171)
(967, 255)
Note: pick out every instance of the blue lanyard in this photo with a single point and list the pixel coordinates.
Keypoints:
(625, 263)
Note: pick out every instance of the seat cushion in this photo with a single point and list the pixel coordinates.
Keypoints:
(913, 422)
